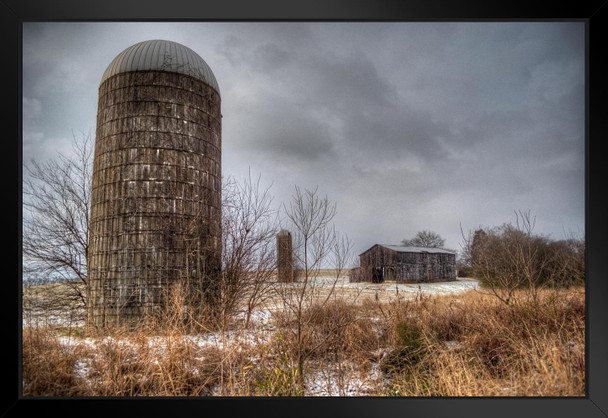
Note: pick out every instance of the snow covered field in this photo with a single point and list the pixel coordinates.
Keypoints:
(350, 349)
(384, 292)
(457, 286)
(36, 310)
(328, 379)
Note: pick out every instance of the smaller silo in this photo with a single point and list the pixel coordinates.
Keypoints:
(284, 257)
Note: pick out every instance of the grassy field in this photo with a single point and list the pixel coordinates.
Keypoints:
(376, 340)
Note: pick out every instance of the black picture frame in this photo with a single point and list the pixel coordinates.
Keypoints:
(593, 13)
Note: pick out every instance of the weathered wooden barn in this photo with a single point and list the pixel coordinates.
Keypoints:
(404, 264)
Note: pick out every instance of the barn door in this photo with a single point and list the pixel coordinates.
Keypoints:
(378, 275)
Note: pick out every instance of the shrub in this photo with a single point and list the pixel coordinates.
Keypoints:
(511, 256)
(410, 350)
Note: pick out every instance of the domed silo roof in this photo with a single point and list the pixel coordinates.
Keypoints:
(161, 55)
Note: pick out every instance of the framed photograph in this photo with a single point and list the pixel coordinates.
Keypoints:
(341, 209)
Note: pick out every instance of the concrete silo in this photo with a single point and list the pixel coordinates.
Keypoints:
(284, 257)
(156, 192)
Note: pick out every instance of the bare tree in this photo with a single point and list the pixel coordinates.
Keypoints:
(511, 257)
(568, 260)
(56, 203)
(249, 225)
(246, 276)
(317, 245)
(497, 256)
(427, 239)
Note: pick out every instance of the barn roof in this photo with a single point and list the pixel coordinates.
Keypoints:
(161, 55)
(404, 249)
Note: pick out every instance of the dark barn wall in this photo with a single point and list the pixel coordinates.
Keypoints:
(406, 266)
(156, 191)
(425, 266)
(355, 275)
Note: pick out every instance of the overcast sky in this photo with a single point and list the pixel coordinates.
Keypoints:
(406, 126)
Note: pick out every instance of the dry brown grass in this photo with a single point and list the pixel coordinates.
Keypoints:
(474, 345)
(461, 345)
(48, 367)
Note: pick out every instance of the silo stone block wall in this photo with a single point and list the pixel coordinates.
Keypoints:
(284, 257)
(156, 192)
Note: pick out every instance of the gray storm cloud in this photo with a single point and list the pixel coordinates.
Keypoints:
(407, 126)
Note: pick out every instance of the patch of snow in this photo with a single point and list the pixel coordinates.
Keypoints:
(452, 345)
(327, 380)
(82, 368)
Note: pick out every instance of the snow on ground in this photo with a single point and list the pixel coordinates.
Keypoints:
(342, 283)
(349, 381)
(322, 381)
(456, 286)
(355, 292)
(384, 292)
